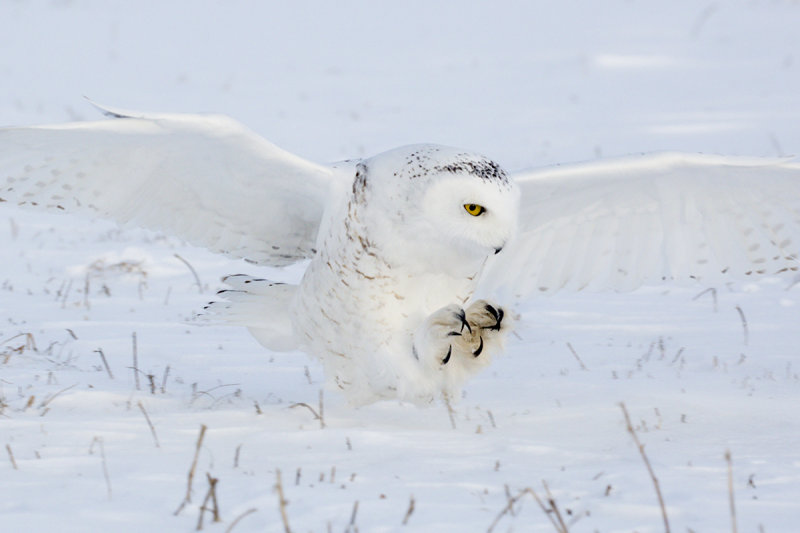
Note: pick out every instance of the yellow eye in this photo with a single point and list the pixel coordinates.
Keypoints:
(474, 209)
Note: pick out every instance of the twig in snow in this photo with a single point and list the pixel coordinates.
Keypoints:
(236, 456)
(554, 508)
(303, 404)
(744, 324)
(30, 342)
(734, 528)
(164, 380)
(135, 361)
(105, 363)
(45, 403)
(11, 457)
(149, 423)
(512, 500)
(450, 411)
(548, 511)
(86, 292)
(282, 502)
(410, 510)
(194, 273)
(321, 411)
(66, 294)
(640, 446)
(238, 518)
(188, 497)
(317, 415)
(352, 525)
(713, 292)
(99, 441)
(571, 349)
(210, 495)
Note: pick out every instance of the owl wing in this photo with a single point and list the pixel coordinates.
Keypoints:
(206, 179)
(620, 223)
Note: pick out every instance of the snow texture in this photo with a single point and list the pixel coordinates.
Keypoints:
(702, 370)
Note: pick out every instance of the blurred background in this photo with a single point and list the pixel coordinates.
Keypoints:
(528, 83)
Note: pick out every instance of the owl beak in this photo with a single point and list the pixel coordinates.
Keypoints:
(498, 249)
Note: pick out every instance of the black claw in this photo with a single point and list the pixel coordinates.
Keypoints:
(498, 316)
(454, 334)
(447, 357)
(477, 352)
(461, 315)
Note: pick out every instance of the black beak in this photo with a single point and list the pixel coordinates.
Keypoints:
(498, 250)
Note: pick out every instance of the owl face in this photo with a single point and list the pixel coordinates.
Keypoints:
(472, 214)
(438, 204)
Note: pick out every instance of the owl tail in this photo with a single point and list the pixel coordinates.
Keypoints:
(260, 305)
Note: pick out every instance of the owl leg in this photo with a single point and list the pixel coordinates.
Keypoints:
(454, 344)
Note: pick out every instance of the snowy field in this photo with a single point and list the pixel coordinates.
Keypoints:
(100, 431)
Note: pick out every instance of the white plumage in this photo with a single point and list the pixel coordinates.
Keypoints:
(401, 244)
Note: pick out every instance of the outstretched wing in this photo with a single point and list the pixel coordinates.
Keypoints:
(619, 223)
(206, 179)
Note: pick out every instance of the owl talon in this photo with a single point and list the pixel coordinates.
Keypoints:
(462, 316)
(447, 357)
(498, 314)
(477, 352)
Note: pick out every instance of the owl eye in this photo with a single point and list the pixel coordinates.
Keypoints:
(474, 209)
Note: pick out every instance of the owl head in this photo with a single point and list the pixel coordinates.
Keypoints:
(430, 204)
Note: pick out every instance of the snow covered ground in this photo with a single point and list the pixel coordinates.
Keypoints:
(90, 447)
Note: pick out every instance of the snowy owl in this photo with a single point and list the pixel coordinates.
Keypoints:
(416, 254)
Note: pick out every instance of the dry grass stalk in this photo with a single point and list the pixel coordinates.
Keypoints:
(188, 497)
(135, 361)
(491, 419)
(713, 292)
(236, 456)
(282, 502)
(11, 457)
(640, 446)
(317, 415)
(548, 511)
(149, 423)
(164, 380)
(321, 411)
(450, 411)
(577, 357)
(105, 363)
(744, 325)
(193, 271)
(210, 495)
(731, 499)
(410, 510)
(239, 518)
(30, 344)
(99, 442)
(554, 508)
(46, 402)
(352, 525)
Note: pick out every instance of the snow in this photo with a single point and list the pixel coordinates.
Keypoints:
(528, 84)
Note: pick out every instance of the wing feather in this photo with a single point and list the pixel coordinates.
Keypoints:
(620, 223)
(206, 179)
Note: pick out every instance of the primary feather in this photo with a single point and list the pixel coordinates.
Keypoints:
(619, 223)
(206, 179)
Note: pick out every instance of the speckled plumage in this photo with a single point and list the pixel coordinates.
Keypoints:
(390, 300)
